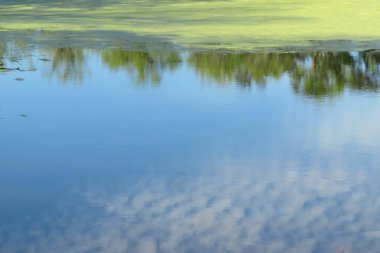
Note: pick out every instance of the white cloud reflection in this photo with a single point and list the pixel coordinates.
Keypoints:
(235, 208)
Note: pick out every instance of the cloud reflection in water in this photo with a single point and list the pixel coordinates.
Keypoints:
(235, 208)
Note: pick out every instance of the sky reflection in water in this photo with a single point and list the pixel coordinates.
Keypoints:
(165, 151)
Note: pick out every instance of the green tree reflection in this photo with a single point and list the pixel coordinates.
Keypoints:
(244, 69)
(314, 74)
(330, 73)
(2, 52)
(144, 66)
(68, 64)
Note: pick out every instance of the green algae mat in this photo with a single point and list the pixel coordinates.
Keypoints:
(234, 24)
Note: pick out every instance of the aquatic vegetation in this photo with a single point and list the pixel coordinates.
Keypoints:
(235, 24)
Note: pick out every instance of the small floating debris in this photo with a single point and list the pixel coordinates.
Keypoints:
(44, 59)
(2, 69)
(9, 69)
(19, 79)
(23, 115)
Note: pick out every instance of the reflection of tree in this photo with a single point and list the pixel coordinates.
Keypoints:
(330, 73)
(316, 74)
(242, 68)
(146, 66)
(371, 61)
(2, 50)
(68, 64)
(313, 74)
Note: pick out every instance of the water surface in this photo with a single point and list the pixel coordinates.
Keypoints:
(164, 150)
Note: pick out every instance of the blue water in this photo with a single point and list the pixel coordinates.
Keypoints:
(102, 161)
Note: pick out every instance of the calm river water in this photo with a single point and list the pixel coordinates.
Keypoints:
(171, 151)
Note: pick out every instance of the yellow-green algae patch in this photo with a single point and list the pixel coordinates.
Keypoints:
(234, 24)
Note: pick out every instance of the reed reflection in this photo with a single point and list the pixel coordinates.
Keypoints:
(15, 55)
